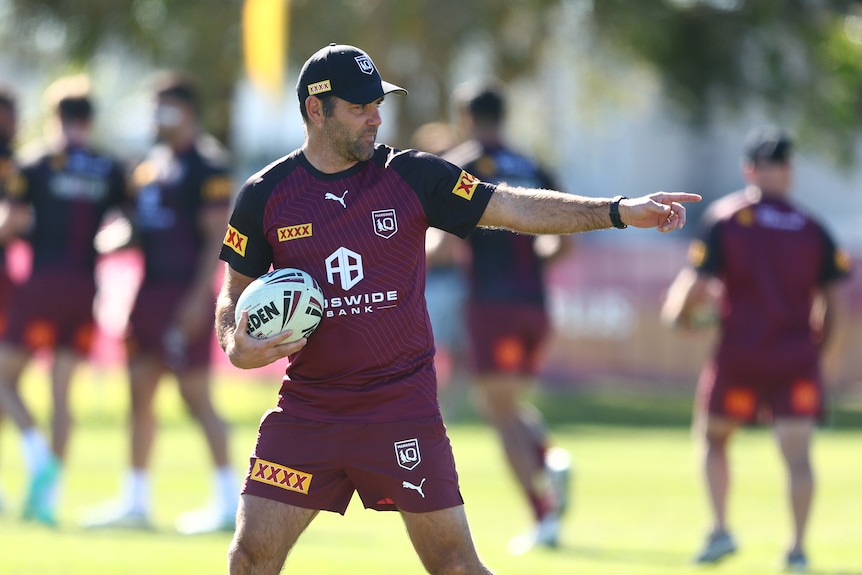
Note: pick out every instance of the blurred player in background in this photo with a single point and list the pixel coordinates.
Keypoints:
(181, 196)
(506, 316)
(10, 179)
(358, 409)
(778, 271)
(445, 284)
(66, 191)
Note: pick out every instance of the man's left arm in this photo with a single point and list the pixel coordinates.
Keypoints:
(827, 307)
(537, 211)
(195, 314)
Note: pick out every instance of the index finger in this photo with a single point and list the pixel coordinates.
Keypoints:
(672, 197)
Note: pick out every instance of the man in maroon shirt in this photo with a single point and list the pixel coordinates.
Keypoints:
(66, 190)
(10, 180)
(507, 321)
(778, 270)
(357, 409)
(180, 194)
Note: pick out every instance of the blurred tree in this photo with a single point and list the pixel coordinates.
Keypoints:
(801, 58)
(199, 36)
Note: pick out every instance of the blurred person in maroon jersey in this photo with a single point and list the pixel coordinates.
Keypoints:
(507, 320)
(180, 198)
(776, 272)
(66, 190)
(10, 179)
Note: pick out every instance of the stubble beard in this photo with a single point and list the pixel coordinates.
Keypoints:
(350, 146)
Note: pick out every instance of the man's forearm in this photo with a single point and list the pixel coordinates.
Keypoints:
(545, 211)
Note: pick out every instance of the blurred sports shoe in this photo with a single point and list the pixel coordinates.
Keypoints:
(207, 520)
(39, 505)
(546, 533)
(796, 562)
(558, 467)
(717, 547)
(114, 515)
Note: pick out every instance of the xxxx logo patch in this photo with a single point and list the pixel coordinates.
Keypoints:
(466, 185)
(280, 476)
(235, 240)
(294, 232)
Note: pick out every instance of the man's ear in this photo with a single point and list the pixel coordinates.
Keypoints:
(314, 109)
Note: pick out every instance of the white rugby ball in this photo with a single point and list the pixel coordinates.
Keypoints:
(280, 300)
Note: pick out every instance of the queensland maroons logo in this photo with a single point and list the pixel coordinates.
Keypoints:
(365, 64)
(385, 223)
(407, 453)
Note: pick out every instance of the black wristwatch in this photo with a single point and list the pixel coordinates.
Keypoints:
(616, 220)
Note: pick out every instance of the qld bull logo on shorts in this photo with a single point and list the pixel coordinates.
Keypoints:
(407, 454)
(365, 64)
(385, 223)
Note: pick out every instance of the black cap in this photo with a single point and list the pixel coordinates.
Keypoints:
(343, 71)
(768, 144)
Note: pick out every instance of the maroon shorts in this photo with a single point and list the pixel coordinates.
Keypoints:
(506, 338)
(149, 321)
(749, 399)
(405, 465)
(52, 309)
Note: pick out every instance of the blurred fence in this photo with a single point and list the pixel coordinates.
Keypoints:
(604, 300)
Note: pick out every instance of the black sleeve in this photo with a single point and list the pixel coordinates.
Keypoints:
(836, 264)
(119, 186)
(705, 254)
(245, 247)
(453, 199)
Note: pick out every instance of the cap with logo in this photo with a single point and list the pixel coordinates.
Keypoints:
(768, 144)
(343, 71)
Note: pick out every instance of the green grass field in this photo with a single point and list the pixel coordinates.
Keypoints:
(638, 506)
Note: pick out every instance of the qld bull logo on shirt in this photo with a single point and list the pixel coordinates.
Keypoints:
(385, 223)
(280, 476)
(407, 453)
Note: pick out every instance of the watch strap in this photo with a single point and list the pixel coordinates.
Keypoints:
(616, 220)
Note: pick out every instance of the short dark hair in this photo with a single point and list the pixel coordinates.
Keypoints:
(327, 101)
(75, 108)
(768, 145)
(178, 86)
(484, 102)
(69, 97)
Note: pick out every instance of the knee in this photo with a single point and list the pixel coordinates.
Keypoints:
(240, 559)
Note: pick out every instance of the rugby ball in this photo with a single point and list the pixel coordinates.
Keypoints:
(281, 300)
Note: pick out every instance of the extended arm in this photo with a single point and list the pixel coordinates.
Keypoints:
(15, 218)
(535, 211)
(690, 300)
(825, 311)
